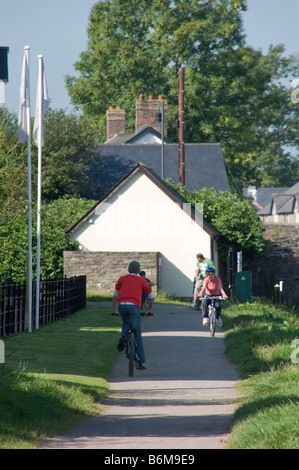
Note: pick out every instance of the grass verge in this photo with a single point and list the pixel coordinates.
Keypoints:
(55, 377)
(258, 339)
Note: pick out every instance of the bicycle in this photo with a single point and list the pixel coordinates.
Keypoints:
(197, 303)
(145, 302)
(130, 345)
(131, 352)
(198, 299)
(212, 313)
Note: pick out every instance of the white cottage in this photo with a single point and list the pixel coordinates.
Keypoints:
(143, 214)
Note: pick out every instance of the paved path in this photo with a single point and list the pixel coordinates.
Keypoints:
(183, 400)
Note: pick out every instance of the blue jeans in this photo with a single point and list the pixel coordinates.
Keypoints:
(206, 302)
(130, 315)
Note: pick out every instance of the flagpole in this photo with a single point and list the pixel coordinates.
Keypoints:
(42, 103)
(24, 133)
(29, 274)
(39, 184)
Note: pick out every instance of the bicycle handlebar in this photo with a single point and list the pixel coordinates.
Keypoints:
(213, 297)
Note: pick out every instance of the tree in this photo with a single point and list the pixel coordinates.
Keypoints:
(67, 155)
(232, 92)
(13, 196)
(57, 217)
(13, 168)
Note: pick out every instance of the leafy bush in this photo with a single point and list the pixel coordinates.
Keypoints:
(233, 216)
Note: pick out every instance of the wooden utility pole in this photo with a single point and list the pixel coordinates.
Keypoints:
(181, 127)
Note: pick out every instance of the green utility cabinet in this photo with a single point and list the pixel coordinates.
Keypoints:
(243, 285)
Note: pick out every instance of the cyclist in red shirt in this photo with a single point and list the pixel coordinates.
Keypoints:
(127, 294)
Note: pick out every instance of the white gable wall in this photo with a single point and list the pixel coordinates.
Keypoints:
(141, 217)
(148, 138)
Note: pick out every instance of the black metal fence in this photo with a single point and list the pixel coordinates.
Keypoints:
(59, 298)
(12, 307)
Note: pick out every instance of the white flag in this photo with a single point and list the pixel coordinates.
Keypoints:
(24, 98)
(42, 102)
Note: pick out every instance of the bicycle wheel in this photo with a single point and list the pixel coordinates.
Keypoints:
(131, 353)
(146, 303)
(212, 321)
(142, 300)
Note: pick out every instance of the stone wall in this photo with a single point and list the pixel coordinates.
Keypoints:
(281, 263)
(103, 269)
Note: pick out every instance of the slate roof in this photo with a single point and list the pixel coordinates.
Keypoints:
(284, 202)
(263, 196)
(293, 189)
(173, 194)
(204, 164)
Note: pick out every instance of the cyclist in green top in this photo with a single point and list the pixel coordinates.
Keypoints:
(200, 273)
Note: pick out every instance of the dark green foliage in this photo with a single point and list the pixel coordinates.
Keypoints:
(233, 216)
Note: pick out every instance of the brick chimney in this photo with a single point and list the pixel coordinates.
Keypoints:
(147, 110)
(116, 121)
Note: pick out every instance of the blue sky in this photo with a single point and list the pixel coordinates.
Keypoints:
(57, 29)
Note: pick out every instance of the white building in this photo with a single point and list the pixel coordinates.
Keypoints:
(143, 214)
